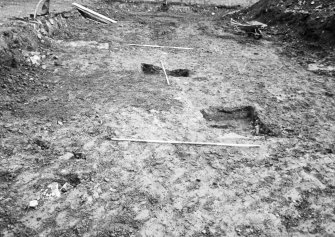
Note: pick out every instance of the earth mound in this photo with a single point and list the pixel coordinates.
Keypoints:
(313, 20)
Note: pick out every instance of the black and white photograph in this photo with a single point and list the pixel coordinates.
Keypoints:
(167, 118)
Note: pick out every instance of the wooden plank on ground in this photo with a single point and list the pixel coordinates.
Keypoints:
(158, 46)
(185, 143)
(93, 13)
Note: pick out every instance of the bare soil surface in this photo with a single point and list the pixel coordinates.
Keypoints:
(23, 8)
(61, 174)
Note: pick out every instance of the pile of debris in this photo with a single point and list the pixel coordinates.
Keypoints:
(314, 20)
(305, 28)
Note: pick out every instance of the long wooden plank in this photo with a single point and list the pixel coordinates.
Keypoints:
(89, 11)
(157, 46)
(185, 143)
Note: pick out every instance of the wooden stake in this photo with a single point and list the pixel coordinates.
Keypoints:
(93, 13)
(185, 143)
(157, 46)
(167, 79)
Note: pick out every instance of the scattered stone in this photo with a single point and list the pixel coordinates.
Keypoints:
(103, 46)
(95, 194)
(35, 60)
(54, 190)
(317, 67)
(67, 156)
(79, 155)
(42, 98)
(178, 205)
(44, 145)
(143, 215)
(66, 187)
(57, 63)
(73, 179)
(89, 199)
(33, 204)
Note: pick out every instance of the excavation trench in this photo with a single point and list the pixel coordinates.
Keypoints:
(238, 118)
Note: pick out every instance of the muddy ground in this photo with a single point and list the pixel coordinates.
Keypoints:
(63, 175)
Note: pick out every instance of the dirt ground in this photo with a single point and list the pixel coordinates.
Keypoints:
(23, 8)
(62, 174)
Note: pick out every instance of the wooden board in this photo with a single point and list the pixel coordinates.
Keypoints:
(186, 143)
(93, 14)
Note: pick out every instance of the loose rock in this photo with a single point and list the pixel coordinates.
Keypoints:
(35, 60)
(54, 190)
(33, 204)
(143, 215)
(66, 187)
(79, 155)
(67, 156)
